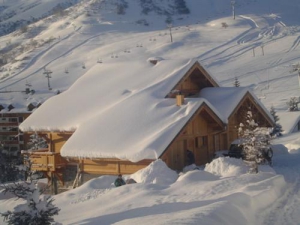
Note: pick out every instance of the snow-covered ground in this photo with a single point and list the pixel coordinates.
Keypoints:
(221, 193)
(259, 47)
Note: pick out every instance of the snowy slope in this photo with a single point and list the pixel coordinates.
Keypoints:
(68, 43)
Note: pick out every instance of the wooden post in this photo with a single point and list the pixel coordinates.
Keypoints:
(78, 178)
(253, 50)
(170, 31)
(262, 50)
(54, 188)
(118, 165)
(233, 9)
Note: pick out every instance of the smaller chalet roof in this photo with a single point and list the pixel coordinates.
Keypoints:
(226, 99)
(288, 120)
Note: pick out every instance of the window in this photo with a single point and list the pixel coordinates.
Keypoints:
(13, 138)
(204, 141)
(13, 148)
(196, 142)
(13, 129)
(21, 138)
(3, 138)
(201, 141)
(13, 120)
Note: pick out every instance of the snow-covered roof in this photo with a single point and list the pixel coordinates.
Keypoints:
(226, 99)
(141, 131)
(288, 120)
(16, 102)
(103, 87)
(119, 111)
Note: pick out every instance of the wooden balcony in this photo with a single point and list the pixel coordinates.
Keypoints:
(45, 161)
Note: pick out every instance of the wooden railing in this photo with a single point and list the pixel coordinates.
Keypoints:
(43, 160)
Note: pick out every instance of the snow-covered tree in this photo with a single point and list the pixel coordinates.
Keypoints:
(38, 209)
(8, 166)
(36, 142)
(253, 139)
(293, 104)
(276, 131)
(236, 82)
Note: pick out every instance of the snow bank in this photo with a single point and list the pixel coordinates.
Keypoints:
(226, 167)
(102, 182)
(196, 176)
(294, 146)
(279, 149)
(287, 143)
(157, 173)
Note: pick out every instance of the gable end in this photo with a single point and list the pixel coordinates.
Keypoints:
(261, 115)
(194, 80)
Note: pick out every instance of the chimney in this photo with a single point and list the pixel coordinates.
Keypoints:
(153, 61)
(179, 99)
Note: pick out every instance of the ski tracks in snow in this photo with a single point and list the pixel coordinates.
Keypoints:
(286, 210)
(261, 31)
(295, 44)
(49, 62)
(292, 48)
(282, 210)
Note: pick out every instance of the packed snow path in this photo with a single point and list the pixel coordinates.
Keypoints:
(286, 210)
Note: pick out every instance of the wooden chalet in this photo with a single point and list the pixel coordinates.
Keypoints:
(204, 132)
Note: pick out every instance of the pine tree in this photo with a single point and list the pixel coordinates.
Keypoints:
(253, 139)
(236, 82)
(38, 209)
(9, 166)
(293, 104)
(276, 131)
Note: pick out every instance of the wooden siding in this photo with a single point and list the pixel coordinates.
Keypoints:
(47, 161)
(50, 159)
(109, 166)
(57, 140)
(198, 137)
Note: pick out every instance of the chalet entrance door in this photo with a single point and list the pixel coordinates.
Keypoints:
(178, 156)
(201, 153)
